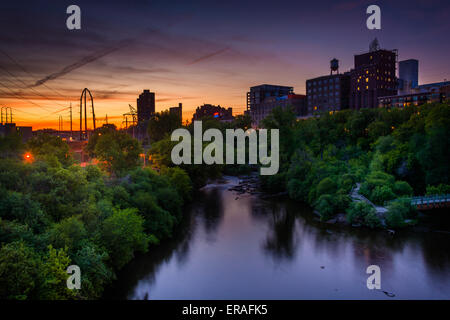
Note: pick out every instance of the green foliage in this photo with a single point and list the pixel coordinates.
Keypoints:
(364, 214)
(438, 190)
(122, 234)
(325, 206)
(95, 272)
(179, 179)
(68, 233)
(50, 148)
(54, 276)
(162, 124)
(87, 217)
(19, 270)
(326, 186)
(402, 189)
(398, 211)
(117, 151)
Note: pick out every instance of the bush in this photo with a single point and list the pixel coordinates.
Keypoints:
(358, 211)
(371, 220)
(326, 186)
(402, 188)
(398, 211)
(325, 206)
(440, 189)
(381, 194)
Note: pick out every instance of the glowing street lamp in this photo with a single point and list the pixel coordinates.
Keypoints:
(28, 157)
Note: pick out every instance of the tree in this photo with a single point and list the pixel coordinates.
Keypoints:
(123, 233)
(19, 270)
(69, 233)
(54, 276)
(117, 151)
(162, 124)
(179, 180)
(95, 273)
(47, 146)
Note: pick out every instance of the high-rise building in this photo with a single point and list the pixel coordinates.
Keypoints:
(408, 71)
(257, 96)
(372, 77)
(145, 106)
(328, 93)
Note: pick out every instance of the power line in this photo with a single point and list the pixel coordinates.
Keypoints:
(25, 99)
(29, 73)
(25, 86)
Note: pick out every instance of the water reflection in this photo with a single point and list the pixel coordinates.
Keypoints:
(233, 246)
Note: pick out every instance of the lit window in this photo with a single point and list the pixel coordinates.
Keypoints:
(367, 79)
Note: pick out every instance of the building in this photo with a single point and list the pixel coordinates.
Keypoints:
(177, 111)
(328, 93)
(295, 101)
(408, 71)
(421, 94)
(372, 77)
(263, 98)
(145, 106)
(9, 128)
(211, 111)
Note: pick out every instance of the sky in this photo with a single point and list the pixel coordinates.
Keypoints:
(195, 52)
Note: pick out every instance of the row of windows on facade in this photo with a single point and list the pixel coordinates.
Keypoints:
(325, 81)
(324, 88)
(331, 100)
(336, 94)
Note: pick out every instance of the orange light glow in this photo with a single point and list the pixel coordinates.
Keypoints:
(28, 157)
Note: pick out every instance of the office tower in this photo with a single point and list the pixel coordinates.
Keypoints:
(145, 106)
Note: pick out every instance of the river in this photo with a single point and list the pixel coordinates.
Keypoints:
(233, 246)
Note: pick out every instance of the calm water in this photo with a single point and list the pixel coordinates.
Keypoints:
(242, 247)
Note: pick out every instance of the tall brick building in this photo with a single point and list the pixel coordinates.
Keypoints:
(373, 77)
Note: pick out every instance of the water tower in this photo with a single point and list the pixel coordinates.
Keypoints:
(334, 66)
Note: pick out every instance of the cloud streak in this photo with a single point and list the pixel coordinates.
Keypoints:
(82, 62)
(208, 56)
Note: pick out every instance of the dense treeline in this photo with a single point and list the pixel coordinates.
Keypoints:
(393, 153)
(55, 213)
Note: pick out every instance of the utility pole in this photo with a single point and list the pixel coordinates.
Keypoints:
(71, 133)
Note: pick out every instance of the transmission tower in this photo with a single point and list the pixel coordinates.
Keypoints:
(60, 123)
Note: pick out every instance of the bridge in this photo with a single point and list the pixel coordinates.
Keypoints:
(431, 201)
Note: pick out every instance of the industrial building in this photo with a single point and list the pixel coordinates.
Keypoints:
(262, 99)
(328, 93)
(9, 128)
(211, 111)
(373, 76)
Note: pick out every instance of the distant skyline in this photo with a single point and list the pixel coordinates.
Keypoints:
(195, 52)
